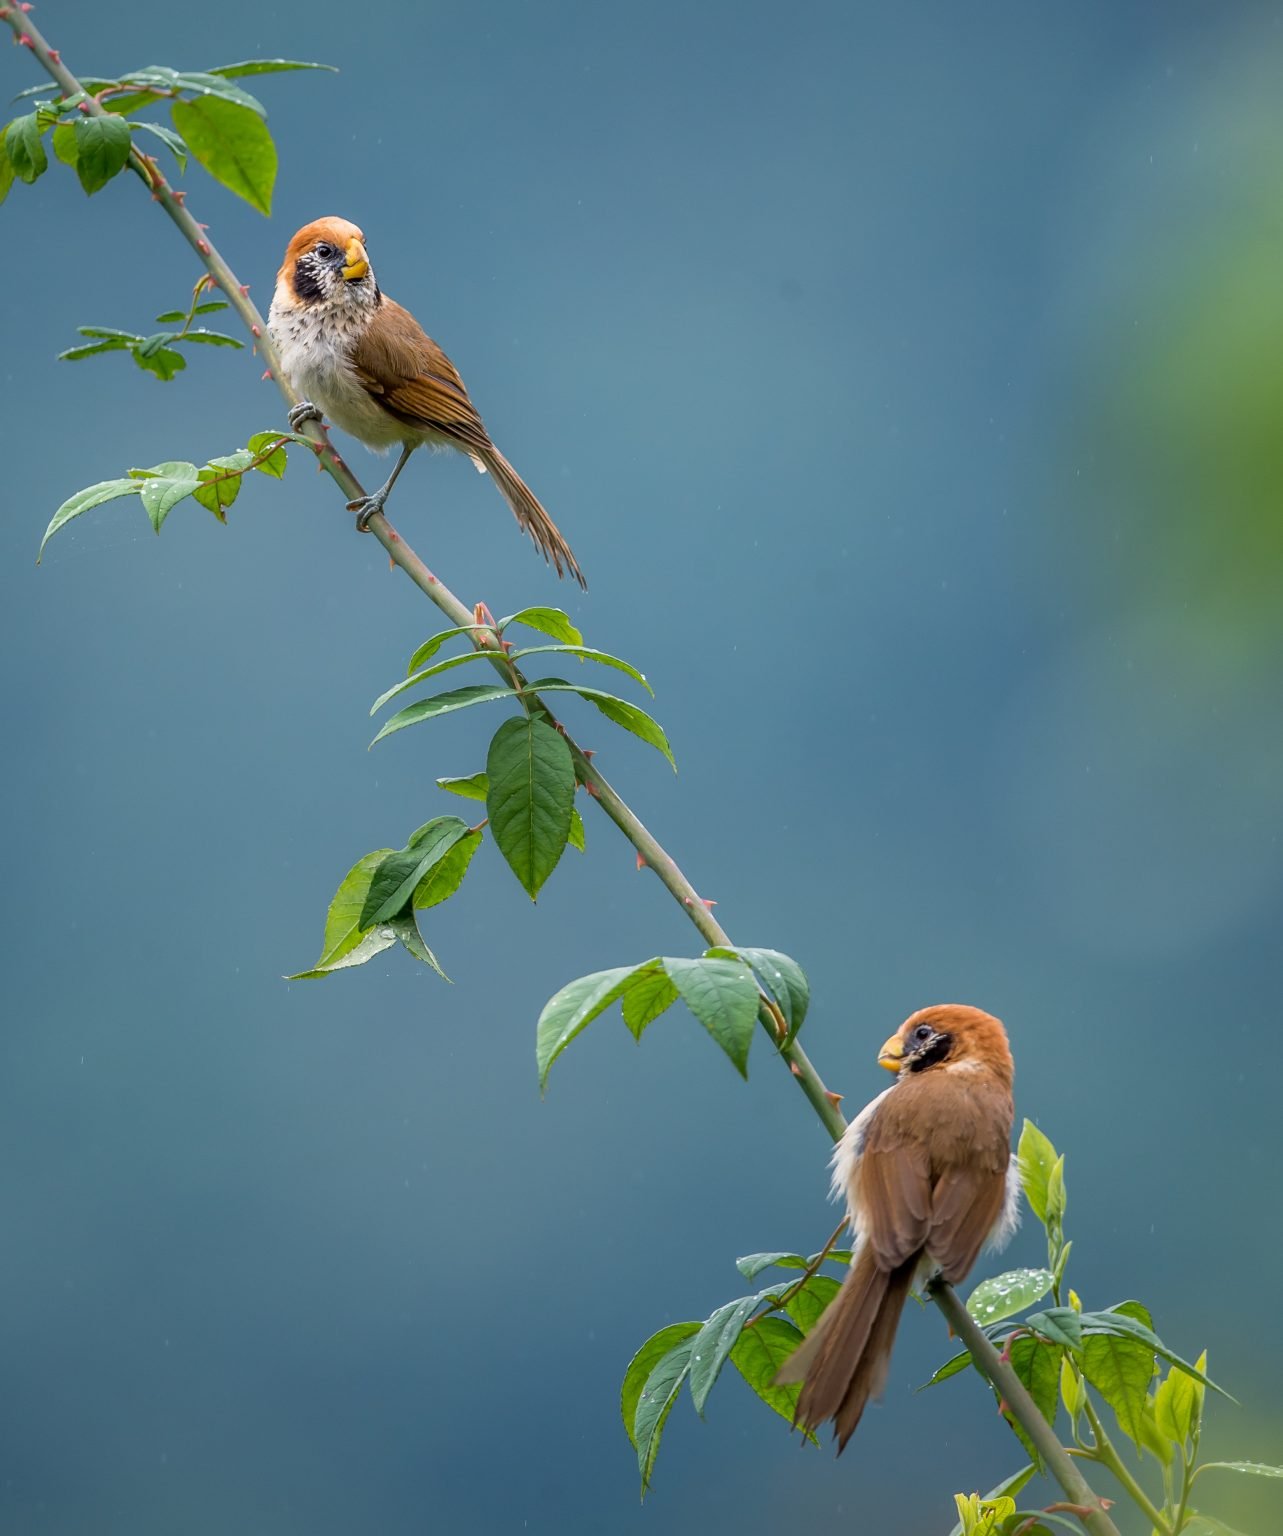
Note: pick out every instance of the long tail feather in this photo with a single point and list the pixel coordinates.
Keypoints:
(531, 515)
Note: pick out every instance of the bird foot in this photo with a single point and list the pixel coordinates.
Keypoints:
(365, 507)
(303, 411)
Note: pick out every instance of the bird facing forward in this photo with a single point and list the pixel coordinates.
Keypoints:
(927, 1175)
(369, 364)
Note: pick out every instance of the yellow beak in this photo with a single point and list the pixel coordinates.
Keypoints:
(358, 264)
(891, 1056)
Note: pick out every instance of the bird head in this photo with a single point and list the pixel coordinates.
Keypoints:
(326, 263)
(949, 1035)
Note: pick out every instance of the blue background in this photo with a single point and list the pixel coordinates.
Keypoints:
(907, 381)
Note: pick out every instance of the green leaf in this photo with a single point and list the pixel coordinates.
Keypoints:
(723, 997)
(1037, 1364)
(1072, 1391)
(473, 787)
(343, 929)
(568, 1012)
(575, 837)
(82, 501)
(74, 354)
(759, 1353)
(585, 653)
(275, 462)
(642, 1364)
(164, 487)
(398, 876)
(649, 994)
(442, 704)
(109, 333)
(265, 67)
(63, 140)
(1121, 1370)
(530, 797)
(164, 362)
(446, 875)
(619, 710)
(6, 165)
(1125, 1326)
(1036, 1157)
(232, 142)
(434, 671)
(785, 980)
(1005, 1295)
(220, 481)
(204, 337)
(174, 143)
(433, 644)
(1252, 1468)
(1009, 1487)
(807, 1302)
(102, 150)
(1062, 1325)
(26, 152)
(407, 931)
(656, 1403)
(548, 621)
(1056, 1198)
(366, 947)
(203, 85)
(952, 1367)
(713, 1343)
(752, 1264)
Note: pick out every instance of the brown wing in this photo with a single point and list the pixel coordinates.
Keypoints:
(894, 1178)
(415, 381)
(971, 1182)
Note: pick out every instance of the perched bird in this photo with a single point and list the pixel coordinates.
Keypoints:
(928, 1177)
(369, 364)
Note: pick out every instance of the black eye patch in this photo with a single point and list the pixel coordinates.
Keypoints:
(307, 278)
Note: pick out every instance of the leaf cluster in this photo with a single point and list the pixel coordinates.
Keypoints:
(156, 353)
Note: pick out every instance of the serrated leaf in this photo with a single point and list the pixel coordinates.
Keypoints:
(442, 704)
(1037, 1364)
(568, 1012)
(806, 1304)
(1123, 1325)
(618, 710)
(575, 837)
(446, 876)
(1175, 1405)
(109, 332)
(1062, 1325)
(366, 947)
(1121, 1370)
(275, 462)
(650, 994)
(752, 1264)
(203, 85)
(473, 787)
(343, 930)
(407, 932)
(178, 149)
(713, 1343)
(585, 653)
(1036, 1157)
(1005, 1295)
(530, 797)
(102, 149)
(164, 362)
(160, 495)
(63, 141)
(548, 621)
(82, 501)
(74, 354)
(233, 144)
(397, 877)
(7, 172)
(425, 672)
(656, 1403)
(220, 483)
(723, 997)
(952, 1367)
(26, 151)
(265, 67)
(785, 980)
(202, 336)
(433, 644)
(759, 1353)
(642, 1364)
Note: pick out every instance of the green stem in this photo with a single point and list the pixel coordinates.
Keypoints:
(1109, 1457)
(1022, 1407)
(652, 853)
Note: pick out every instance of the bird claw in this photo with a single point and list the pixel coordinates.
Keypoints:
(365, 507)
(303, 411)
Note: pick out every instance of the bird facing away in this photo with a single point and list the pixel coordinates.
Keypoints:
(368, 363)
(927, 1176)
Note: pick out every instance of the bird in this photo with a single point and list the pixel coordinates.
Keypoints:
(928, 1177)
(355, 354)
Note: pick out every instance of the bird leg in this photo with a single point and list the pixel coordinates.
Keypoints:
(366, 506)
(303, 411)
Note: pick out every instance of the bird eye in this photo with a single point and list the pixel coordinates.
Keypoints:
(922, 1034)
(325, 250)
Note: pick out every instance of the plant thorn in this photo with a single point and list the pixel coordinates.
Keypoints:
(244, 286)
(267, 373)
(589, 752)
(592, 790)
(255, 330)
(707, 902)
(834, 1098)
(641, 863)
(25, 42)
(55, 56)
(795, 1069)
